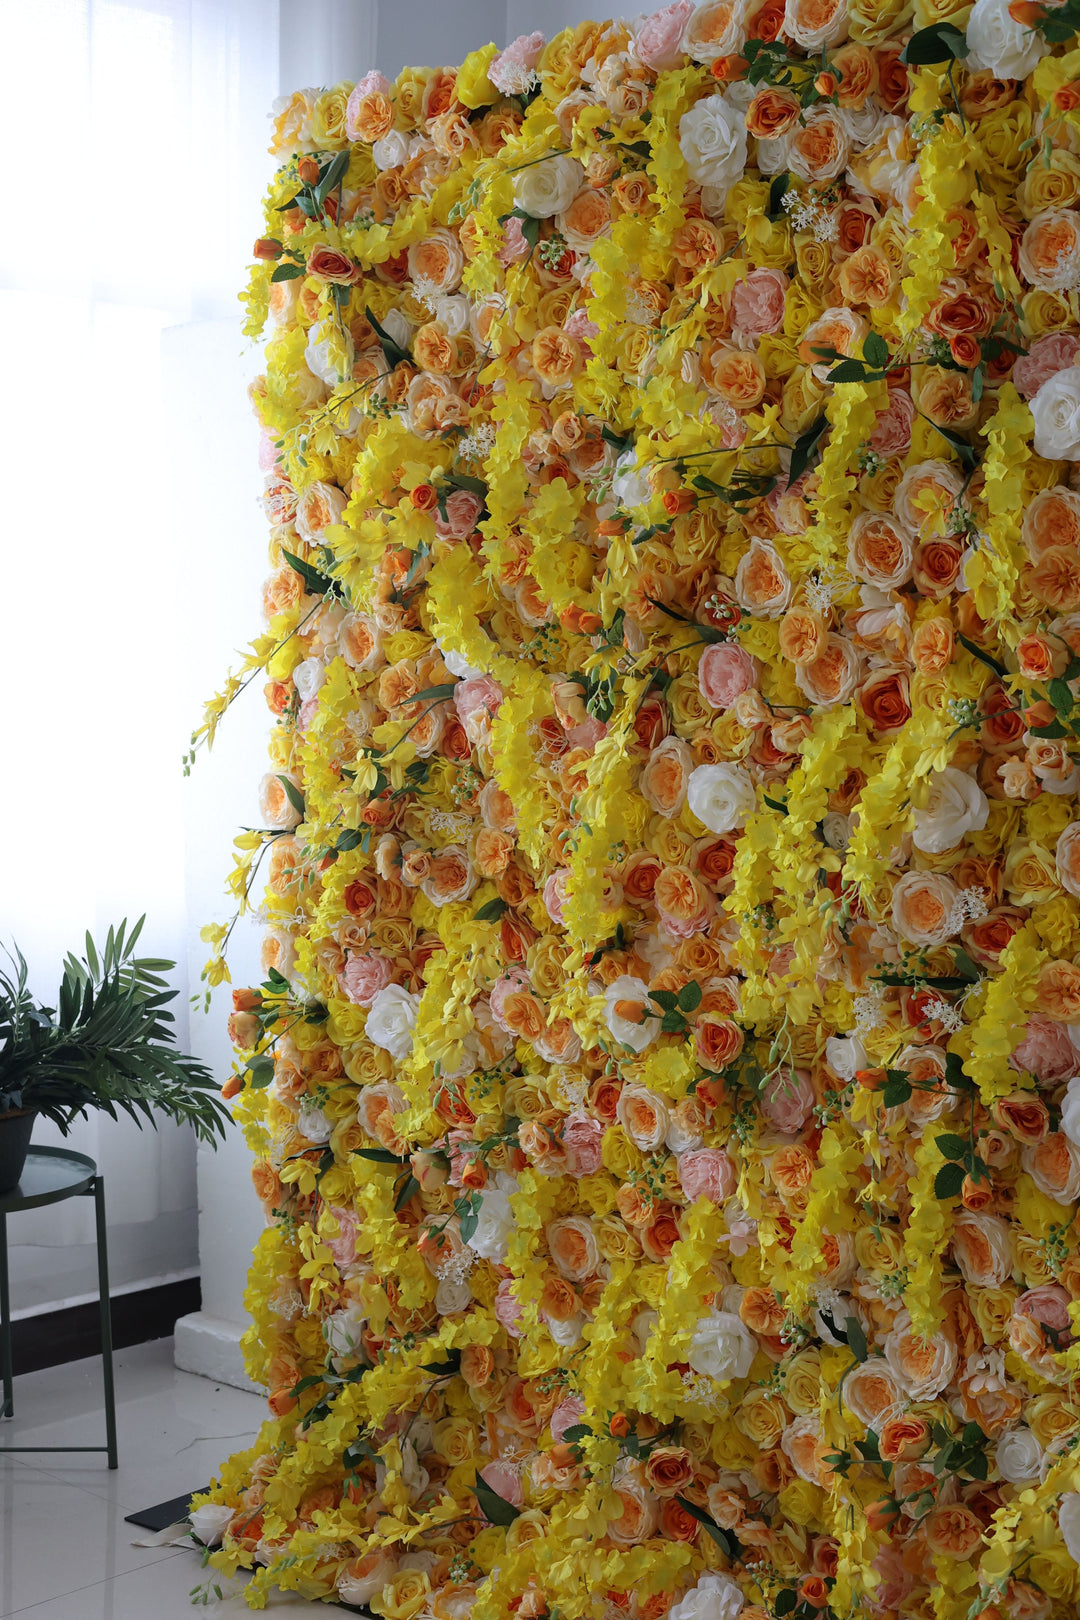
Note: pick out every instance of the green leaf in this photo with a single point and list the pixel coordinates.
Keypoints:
(856, 1338)
(576, 1432)
(333, 177)
(928, 47)
(896, 1091)
(491, 912)
(392, 351)
(876, 350)
(804, 448)
(777, 191)
(727, 1543)
(667, 999)
(409, 1187)
(776, 804)
(690, 997)
(1058, 692)
(317, 582)
(952, 1147)
(452, 1364)
(495, 1508)
(983, 657)
(672, 1023)
(293, 794)
(380, 1156)
(960, 445)
(288, 272)
(948, 1181)
(785, 1601)
(847, 371)
(435, 694)
(259, 1071)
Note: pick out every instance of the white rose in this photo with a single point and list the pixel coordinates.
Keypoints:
(1056, 410)
(845, 1054)
(712, 139)
(829, 28)
(313, 1123)
(549, 187)
(452, 1297)
(566, 1334)
(1009, 49)
(630, 486)
(496, 1220)
(647, 1140)
(722, 1347)
(455, 258)
(1019, 1456)
(392, 1019)
(276, 808)
(836, 830)
(360, 1589)
(721, 796)
(457, 665)
(309, 677)
(396, 326)
(390, 153)
(342, 1330)
(319, 358)
(453, 311)
(955, 805)
(210, 1522)
(1069, 1523)
(715, 1597)
(704, 44)
(1066, 865)
(627, 1031)
(1070, 1107)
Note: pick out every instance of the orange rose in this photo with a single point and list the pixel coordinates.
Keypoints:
(434, 350)
(762, 1311)
(772, 113)
(832, 676)
(867, 277)
(933, 645)
(945, 397)
(556, 357)
(717, 1042)
(801, 635)
(665, 775)
(885, 700)
(791, 1170)
(904, 1439)
(953, 1532)
(936, 567)
(737, 375)
(1058, 989)
(1055, 578)
(669, 1469)
(1023, 1115)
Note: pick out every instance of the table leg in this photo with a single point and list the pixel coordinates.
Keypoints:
(106, 1320)
(8, 1408)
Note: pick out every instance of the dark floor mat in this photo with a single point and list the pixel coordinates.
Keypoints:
(165, 1513)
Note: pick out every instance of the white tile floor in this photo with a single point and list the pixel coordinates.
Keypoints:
(65, 1551)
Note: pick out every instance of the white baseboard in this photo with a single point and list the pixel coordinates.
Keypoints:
(210, 1346)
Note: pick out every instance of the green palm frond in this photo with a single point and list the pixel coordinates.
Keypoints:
(107, 1044)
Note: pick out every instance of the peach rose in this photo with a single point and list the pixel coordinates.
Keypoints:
(868, 277)
(925, 909)
(757, 303)
(786, 1100)
(1047, 356)
(933, 646)
(819, 147)
(874, 1393)
(1054, 1166)
(1049, 253)
(772, 113)
(1058, 988)
(879, 551)
(1055, 578)
(982, 1249)
(669, 1469)
(643, 1116)
(451, 876)
(707, 1173)
(557, 358)
(573, 1248)
(725, 671)
(892, 429)
(924, 1367)
(830, 677)
(953, 1532)
(762, 584)
(437, 261)
(665, 776)
(736, 375)
(717, 1042)
(1051, 518)
(838, 328)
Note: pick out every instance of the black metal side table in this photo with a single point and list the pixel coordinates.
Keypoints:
(51, 1175)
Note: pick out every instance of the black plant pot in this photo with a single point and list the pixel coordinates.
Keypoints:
(15, 1130)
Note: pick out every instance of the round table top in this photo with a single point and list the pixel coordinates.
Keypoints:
(49, 1175)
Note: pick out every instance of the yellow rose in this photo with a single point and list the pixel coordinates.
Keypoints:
(746, 195)
(1030, 875)
(802, 1382)
(473, 88)
(615, 1241)
(929, 12)
(328, 118)
(779, 355)
(524, 1098)
(801, 308)
(768, 242)
(409, 96)
(689, 710)
(802, 400)
(1053, 184)
(876, 490)
(454, 1441)
(1002, 137)
(802, 1502)
(871, 21)
(814, 262)
(619, 1154)
(1054, 1572)
(1051, 1418)
(1045, 312)
(762, 1418)
(993, 1309)
(597, 1193)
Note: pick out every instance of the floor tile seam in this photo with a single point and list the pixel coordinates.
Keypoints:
(164, 1553)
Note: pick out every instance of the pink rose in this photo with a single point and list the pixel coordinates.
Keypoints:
(364, 975)
(659, 39)
(459, 1160)
(1046, 357)
(462, 510)
(726, 671)
(343, 1247)
(555, 895)
(1048, 1305)
(892, 431)
(514, 246)
(582, 1138)
(757, 304)
(510, 70)
(1046, 1051)
(507, 1309)
(566, 1415)
(587, 735)
(476, 700)
(371, 84)
(708, 1173)
(786, 1100)
(687, 927)
(896, 1581)
(515, 978)
(505, 1481)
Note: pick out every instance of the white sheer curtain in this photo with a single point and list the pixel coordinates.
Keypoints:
(135, 134)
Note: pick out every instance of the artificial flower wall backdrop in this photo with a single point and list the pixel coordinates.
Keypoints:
(664, 1084)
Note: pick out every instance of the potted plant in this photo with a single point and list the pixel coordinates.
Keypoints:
(107, 1044)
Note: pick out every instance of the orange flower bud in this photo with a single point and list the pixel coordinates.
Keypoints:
(591, 623)
(619, 1425)
(678, 501)
(267, 248)
(562, 1455)
(872, 1079)
(812, 1590)
(726, 68)
(826, 84)
(232, 1087)
(308, 170)
(1067, 99)
(474, 1174)
(281, 1401)
(1039, 714)
(424, 497)
(965, 350)
(882, 1514)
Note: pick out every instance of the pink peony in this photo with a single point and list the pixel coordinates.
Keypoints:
(582, 1138)
(555, 895)
(1048, 1305)
(659, 39)
(476, 700)
(343, 1247)
(364, 975)
(514, 246)
(505, 1481)
(587, 735)
(371, 84)
(511, 69)
(579, 326)
(1046, 1051)
(462, 510)
(507, 1309)
(892, 431)
(1046, 357)
(786, 1100)
(757, 304)
(568, 1413)
(708, 1173)
(726, 671)
(515, 978)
